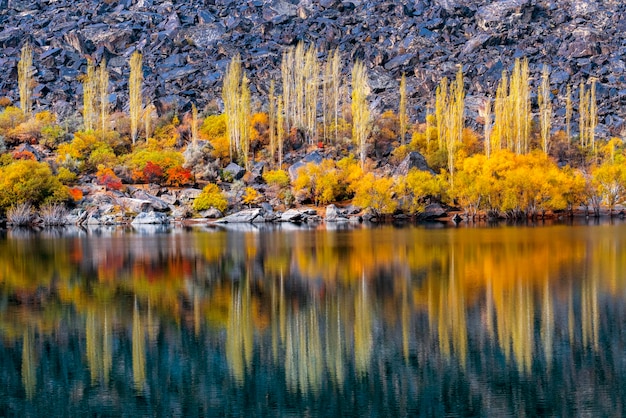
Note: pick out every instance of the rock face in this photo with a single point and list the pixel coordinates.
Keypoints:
(314, 157)
(412, 160)
(187, 44)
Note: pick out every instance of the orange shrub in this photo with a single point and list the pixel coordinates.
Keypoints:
(75, 193)
(177, 176)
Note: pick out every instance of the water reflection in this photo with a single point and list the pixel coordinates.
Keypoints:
(390, 321)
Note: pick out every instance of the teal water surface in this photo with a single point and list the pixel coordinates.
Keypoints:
(505, 321)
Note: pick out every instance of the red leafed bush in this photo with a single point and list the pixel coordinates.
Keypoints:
(152, 173)
(107, 178)
(178, 176)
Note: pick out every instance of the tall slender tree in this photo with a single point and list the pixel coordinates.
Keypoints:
(134, 94)
(89, 96)
(360, 108)
(402, 115)
(236, 96)
(485, 112)
(194, 124)
(103, 94)
(25, 78)
(271, 116)
(545, 109)
(568, 113)
(280, 131)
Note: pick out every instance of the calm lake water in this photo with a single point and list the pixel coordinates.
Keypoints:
(505, 321)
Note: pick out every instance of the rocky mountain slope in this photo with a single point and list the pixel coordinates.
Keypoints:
(187, 44)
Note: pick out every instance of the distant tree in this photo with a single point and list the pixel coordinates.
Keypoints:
(512, 110)
(103, 93)
(545, 109)
(236, 96)
(402, 115)
(25, 78)
(568, 114)
(89, 96)
(135, 85)
(300, 77)
(194, 123)
(271, 115)
(360, 109)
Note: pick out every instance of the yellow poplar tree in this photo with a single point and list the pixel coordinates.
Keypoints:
(89, 96)
(271, 116)
(25, 78)
(512, 110)
(545, 109)
(280, 131)
(103, 93)
(236, 96)
(134, 93)
(194, 123)
(568, 114)
(231, 94)
(402, 115)
(360, 108)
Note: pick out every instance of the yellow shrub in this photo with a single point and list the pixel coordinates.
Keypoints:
(376, 193)
(250, 196)
(28, 181)
(278, 178)
(211, 196)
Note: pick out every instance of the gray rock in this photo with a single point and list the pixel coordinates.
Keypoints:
(432, 211)
(76, 217)
(412, 160)
(187, 196)
(211, 213)
(493, 15)
(235, 170)
(314, 157)
(156, 203)
(150, 218)
(135, 205)
(333, 214)
(245, 216)
(292, 215)
(181, 212)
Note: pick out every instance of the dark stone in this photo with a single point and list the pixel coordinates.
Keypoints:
(236, 171)
(314, 157)
(412, 160)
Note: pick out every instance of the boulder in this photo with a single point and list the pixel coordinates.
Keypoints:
(245, 216)
(211, 213)
(412, 160)
(135, 205)
(433, 211)
(235, 170)
(156, 203)
(150, 218)
(333, 214)
(187, 196)
(314, 157)
(181, 212)
(291, 215)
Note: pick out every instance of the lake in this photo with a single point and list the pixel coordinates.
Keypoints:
(383, 321)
